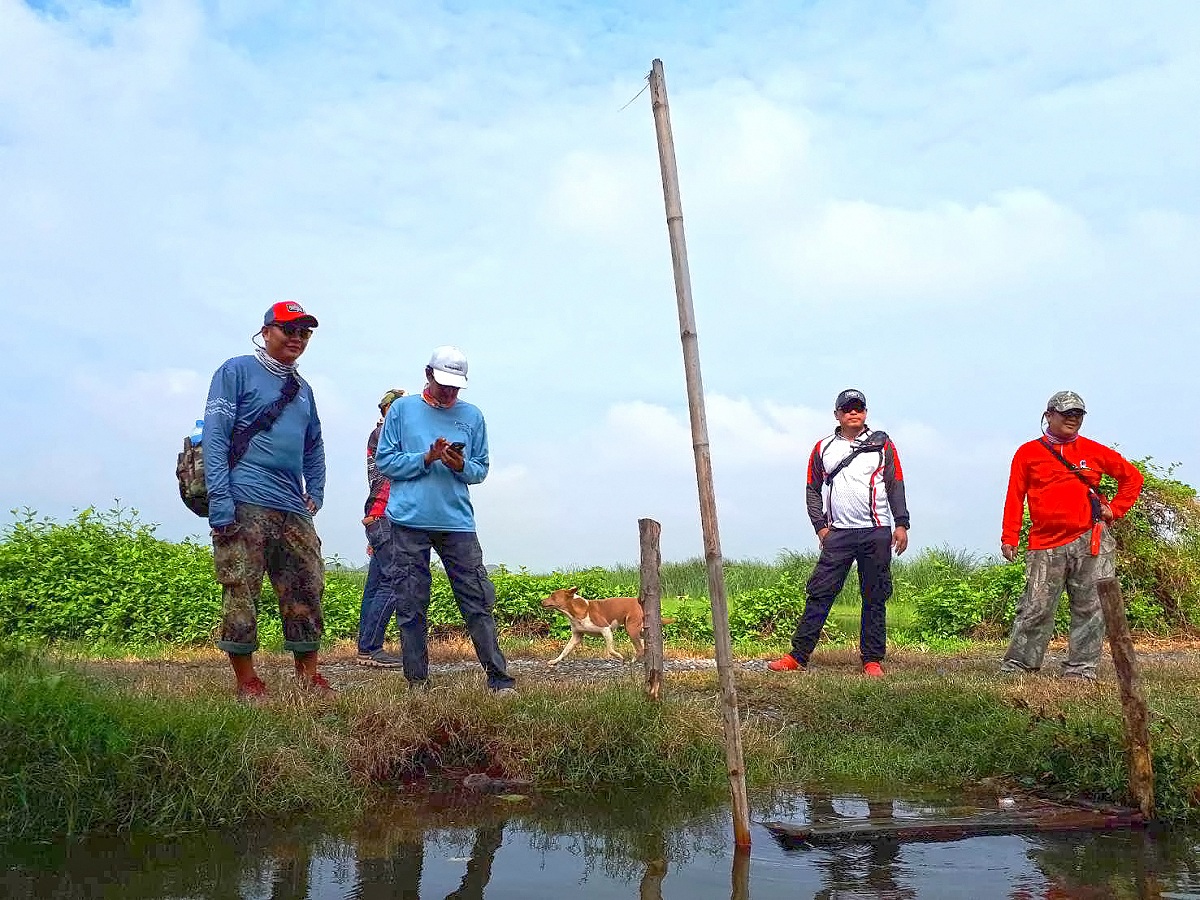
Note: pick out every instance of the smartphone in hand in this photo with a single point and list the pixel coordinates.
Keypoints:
(458, 446)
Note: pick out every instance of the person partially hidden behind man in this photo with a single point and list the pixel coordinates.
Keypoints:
(1070, 543)
(857, 506)
(264, 467)
(432, 447)
(378, 601)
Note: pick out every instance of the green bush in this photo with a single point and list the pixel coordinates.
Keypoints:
(1158, 551)
(957, 605)
(104, 577)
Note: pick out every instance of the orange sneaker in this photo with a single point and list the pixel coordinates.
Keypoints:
(252, 691)
(785, 663)
(318, 685)
(873, 670)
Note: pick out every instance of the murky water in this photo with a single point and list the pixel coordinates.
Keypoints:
(635, 846)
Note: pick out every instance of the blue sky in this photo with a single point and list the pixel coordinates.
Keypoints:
(958, 207)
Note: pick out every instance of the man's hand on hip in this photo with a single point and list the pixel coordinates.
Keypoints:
(821, 534)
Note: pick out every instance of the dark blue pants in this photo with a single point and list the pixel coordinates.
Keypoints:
(871, 548)
(379, 600)
(410, 580)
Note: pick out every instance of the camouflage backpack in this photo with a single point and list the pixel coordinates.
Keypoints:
(189, 472)
(189, 466)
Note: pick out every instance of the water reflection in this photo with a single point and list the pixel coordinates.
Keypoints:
(651, 847)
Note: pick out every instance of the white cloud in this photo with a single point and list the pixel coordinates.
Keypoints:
(956, 207)
(936, 255)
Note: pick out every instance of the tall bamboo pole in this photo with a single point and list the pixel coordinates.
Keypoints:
(704, 481)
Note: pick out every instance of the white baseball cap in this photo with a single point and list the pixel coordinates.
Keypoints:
(449, 366)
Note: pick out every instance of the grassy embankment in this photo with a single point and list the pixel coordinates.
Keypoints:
(162, 745)
(87, 745)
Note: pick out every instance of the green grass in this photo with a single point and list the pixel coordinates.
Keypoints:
(165, 747)
(76, 755)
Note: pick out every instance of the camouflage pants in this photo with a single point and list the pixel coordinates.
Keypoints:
(285, 546)
(1047, 572)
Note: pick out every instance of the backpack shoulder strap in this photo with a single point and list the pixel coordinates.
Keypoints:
(1093, 494)
(876, 441)
(239, 443)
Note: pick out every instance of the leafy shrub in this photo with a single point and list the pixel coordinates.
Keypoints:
(1158, 551)
(104, 577)
(956, 606)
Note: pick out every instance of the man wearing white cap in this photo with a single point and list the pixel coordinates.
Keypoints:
(432, 447)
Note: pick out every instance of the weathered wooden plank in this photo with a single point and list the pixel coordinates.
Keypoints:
(953, 829)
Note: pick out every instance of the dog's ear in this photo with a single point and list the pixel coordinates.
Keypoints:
(573, 591)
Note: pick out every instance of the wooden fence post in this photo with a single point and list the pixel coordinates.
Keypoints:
(1133, 701)
(650, 595)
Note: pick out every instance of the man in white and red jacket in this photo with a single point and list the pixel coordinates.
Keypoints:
(1070, 544)
(856, 503)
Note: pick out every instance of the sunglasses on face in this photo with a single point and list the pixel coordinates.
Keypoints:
(853, 407)
(294, 331)
(1072, 414)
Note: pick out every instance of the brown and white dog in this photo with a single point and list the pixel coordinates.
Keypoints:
(597, 617)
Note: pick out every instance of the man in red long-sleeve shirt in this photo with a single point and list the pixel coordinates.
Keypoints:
(1070, 544)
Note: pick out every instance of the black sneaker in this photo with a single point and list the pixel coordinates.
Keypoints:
(379, 660)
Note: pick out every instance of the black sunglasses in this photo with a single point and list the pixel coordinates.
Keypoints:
(1071, 413)
(294, 331)
(852, 407)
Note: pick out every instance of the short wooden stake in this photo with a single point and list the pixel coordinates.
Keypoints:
(734, 762)
(1133, 701)
(650, 595)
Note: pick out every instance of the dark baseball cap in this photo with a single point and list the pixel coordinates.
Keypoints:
(849, 397)
(289, 312)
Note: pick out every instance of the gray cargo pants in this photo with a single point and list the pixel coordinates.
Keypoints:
(1047, 572)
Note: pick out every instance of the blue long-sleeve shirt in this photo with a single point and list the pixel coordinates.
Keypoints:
(435, 497)
(281, 465)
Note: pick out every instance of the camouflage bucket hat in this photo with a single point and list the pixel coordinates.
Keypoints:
(1065, 400)
(391, 395)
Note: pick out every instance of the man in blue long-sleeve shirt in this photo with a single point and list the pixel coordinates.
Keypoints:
(266, 479)
(432, 447)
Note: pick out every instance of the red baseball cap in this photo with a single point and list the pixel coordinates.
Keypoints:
(289, 311)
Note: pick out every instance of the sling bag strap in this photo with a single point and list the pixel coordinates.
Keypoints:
(876, 440)
(239, 443)
(1093, 495)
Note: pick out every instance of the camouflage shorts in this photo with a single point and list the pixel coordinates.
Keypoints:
(1048, 572)
(285, 547)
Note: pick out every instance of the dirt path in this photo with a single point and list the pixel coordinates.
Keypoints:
(453, 660)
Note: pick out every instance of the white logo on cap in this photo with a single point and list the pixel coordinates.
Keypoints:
(295, 307)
